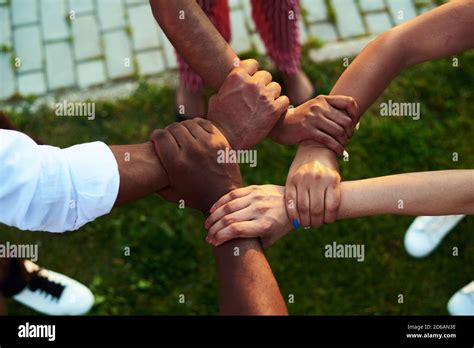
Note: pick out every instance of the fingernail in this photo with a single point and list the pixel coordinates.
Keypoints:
(296, 223)
(212, 209)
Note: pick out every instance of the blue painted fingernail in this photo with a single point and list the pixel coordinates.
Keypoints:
(296, 224)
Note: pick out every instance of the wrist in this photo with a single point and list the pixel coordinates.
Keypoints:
(313, 151)
(140, 170)
(233, 143)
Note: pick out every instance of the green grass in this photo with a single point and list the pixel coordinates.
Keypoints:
(168, 253)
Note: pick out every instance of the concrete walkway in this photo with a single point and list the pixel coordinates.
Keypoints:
(49, 46)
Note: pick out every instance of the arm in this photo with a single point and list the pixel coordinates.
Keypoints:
(188, 151)
(212, 58)
(44, 188)
(425, 193)
(441, 32)
(140, 170)
(444, 192)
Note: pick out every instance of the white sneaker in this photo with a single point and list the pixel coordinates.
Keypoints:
(462, 302)
(426, 232)
(53, 293)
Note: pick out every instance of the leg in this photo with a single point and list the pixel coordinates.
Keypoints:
(189, 97)
(277, 23)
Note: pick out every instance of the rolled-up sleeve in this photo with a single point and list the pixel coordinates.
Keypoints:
(45, 188)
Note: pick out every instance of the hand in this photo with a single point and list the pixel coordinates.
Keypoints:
(328, 120)
(188, 151)
(312, 191)
(254, 211)
(247, 105)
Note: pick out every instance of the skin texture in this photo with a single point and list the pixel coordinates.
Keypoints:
(329, 120)
(141, 172)
(188, 151)
(213, 59)
(442, 32)
(247, 105)
(233, 271)
(240, 213)
(312, 189)
(196, 27)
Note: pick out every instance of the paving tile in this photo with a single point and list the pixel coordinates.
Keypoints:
(348, 18)
(28, 47)
(144, 27)
(134, 2)
(24, 11)
(31, 84)
(248, 15)
(372, 5)
(316, 10)
(302, 32)
(234, 4)
(107, 34)
(53, 19)
(118, 54)
(151, 62)
(168, 50)
(401, 10)
(426, 8)
(91, 73)
(86, 37)
(5, 27)
(324, 32)
(59, 65)
(111, 14)
(7, 76)
(240, 41)
(81, 6)
(378, 22)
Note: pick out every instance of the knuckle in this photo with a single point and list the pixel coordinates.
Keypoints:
(329, 219)
(234, 229)
(333, 206)
(227, 220)
(267, 226)
(303, 207)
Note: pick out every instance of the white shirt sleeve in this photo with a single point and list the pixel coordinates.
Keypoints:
(45, 188)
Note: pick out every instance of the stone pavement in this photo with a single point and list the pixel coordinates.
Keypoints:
(50, 46)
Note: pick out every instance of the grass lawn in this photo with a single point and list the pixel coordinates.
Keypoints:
(170, 257)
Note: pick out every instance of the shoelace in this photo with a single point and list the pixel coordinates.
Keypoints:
(46, 286)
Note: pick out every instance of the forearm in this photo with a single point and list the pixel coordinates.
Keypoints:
(196, 39)
(373, 69)
(442, 32)
(247, 285)
(141, 172)
(425, 193)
